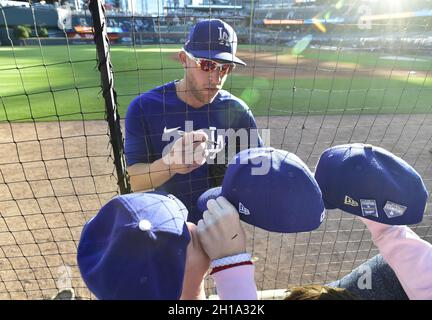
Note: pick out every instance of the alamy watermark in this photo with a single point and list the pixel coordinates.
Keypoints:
(220, 146)
(364, 282)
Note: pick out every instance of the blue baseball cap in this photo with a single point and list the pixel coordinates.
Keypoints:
(135, 248)
(371, 182)
(213, 39)
(271, 189)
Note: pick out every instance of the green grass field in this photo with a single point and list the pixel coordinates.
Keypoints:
(59, 82)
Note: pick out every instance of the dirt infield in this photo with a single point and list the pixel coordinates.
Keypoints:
(55, 176)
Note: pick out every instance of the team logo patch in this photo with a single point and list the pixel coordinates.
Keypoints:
(350, 202)
(369, 208)
(224, 37)
(393, 210)
(243, 209)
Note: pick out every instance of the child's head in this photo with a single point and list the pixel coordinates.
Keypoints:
(136, 247)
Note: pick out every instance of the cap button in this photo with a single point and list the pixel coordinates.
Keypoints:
(145, 225)
(368, 146)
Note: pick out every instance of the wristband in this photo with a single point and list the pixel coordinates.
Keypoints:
(230, 260)
(217, 269)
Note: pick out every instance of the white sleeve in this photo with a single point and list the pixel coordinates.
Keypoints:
(237, 283)
(408, 255)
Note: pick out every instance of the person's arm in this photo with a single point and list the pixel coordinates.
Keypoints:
(197, 264)
(187, 154)
(408, 255)
(224, 240)
(146, 176)
(237, 283)
(145, 172)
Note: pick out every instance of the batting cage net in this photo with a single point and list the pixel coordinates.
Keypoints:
(319, 74)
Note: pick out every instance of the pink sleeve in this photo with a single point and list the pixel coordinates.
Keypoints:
(409, 256)
(237, 283)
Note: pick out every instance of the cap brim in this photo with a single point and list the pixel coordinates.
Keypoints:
(217, 55)
(206, 196)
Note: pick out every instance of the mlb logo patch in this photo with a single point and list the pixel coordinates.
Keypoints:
(394, 210)
(369, 207)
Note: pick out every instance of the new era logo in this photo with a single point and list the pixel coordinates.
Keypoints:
(243, 209)
(350, 202)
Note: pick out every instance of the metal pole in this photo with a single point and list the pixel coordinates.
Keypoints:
(109, 94)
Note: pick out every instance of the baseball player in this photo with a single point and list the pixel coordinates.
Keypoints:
(181, 120)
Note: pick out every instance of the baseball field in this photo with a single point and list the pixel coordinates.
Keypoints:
(56, 173)
(61, 82)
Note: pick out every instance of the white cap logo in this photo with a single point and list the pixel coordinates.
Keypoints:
(243, 209)
(223, 37)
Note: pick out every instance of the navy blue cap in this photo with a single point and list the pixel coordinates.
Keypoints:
(135, 248)
(213, 39)
(271, 189)
(371, 182)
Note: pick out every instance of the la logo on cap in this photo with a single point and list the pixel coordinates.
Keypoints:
(223, 37)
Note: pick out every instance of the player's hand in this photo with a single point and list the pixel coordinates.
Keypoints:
(188, 153)
(220, 231)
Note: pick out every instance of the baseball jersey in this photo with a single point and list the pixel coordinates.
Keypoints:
(160, 111)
